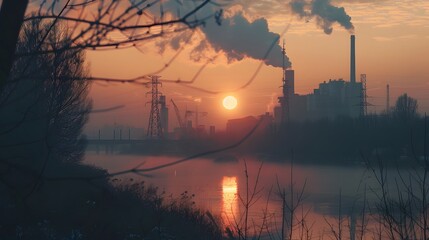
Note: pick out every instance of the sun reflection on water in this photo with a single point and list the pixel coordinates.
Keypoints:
(229, 198)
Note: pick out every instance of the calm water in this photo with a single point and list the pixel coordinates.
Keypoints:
(219, 186)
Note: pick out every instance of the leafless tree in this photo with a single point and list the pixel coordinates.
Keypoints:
(405, 107)
(46, 107)
(103, 24)
(401, 201)
(40, 75)
(42, 119)
(43, 92)
(292, 200)
(57, 99)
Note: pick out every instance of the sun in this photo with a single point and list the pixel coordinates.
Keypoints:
(229, 102)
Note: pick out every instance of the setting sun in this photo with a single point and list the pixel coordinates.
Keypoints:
(229, 102)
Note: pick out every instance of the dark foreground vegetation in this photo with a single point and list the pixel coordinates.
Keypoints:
(44, 107)
(79, 210)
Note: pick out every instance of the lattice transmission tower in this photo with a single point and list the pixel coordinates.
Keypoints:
(154, 129)
(387, 99)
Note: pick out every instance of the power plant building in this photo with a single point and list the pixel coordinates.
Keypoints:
(333, 98)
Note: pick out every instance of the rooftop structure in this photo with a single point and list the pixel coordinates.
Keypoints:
(335, 98)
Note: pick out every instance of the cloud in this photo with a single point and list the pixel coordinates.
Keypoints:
(396, 37)
(382, 39)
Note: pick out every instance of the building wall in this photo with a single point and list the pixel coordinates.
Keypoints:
(355, 97)
(277, 114)
(298, 109)
(289, 85)
(335, 98)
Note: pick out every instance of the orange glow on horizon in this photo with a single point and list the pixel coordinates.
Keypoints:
(401, 45)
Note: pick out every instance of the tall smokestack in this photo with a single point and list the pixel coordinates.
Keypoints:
(387, 98)
(352, 60)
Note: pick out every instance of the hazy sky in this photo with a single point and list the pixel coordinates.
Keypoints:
(392, 46)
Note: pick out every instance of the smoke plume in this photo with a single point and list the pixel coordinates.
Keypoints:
(324, 12)
(239, 38)
(235, 36)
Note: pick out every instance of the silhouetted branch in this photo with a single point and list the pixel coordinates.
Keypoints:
(103, 110)
(137, 169)
(94, 35)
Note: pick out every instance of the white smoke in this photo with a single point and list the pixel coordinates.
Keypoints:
(324, 12)
(239, 38)
(234, 35)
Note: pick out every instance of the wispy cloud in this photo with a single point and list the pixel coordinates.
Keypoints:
(390, 13)
(383, 39)
(399, 37)
(377, 13)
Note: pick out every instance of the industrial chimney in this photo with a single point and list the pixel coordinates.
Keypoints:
(352, 60)
(387, 98)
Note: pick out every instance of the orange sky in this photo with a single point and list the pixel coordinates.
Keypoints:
(392, 40)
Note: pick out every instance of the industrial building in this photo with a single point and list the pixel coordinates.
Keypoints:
(334, 98)
(240, 127)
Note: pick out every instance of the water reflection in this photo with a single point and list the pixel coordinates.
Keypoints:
(216, 187)
(229, 198)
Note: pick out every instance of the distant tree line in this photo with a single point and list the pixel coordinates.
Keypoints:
(396, 134)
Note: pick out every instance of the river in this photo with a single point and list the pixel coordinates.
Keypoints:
(220, 187)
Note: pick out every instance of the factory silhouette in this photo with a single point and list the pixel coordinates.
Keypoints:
(333, 120)
(333, 99)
